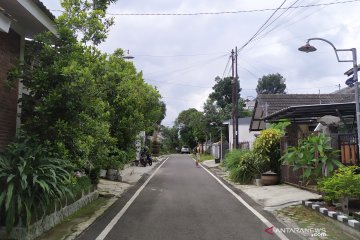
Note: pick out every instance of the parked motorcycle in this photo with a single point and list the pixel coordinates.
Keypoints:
(145, 158)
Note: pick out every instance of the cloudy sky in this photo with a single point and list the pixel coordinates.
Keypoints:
(182, 54)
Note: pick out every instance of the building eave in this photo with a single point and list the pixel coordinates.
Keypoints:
(28, 17)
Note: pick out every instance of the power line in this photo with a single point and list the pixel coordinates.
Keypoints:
(292, 22)
(262, 26)
(228, 12)
(227, 64)
(178, 55)
(191, 67)
(177, 84)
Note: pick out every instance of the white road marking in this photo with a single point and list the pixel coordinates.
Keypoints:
(110, 226)
(240, 199)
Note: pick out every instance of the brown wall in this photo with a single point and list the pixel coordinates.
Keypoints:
(9, 55)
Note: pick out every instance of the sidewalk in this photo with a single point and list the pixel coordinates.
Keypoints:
(285, 202)
(270, 198)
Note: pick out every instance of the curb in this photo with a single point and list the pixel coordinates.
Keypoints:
(334, 215)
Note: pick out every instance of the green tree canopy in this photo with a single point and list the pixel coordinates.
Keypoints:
(191, 127)
(271, 84)
(84, 104)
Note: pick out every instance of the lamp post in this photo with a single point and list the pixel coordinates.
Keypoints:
(308, 48)
(221, 140)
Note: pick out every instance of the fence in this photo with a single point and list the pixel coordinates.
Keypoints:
(345, 143)
(215, 149)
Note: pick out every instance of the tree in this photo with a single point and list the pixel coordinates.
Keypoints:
(271, 84)
(170, 139)
(133, 104)
(222, 92)
(218, 106)
(84, 104)
(191, 127)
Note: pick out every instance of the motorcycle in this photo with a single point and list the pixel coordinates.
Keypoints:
(145, 159)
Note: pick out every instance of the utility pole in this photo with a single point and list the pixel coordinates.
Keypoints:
(234, 97)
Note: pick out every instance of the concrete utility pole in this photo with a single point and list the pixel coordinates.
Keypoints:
(234, 97)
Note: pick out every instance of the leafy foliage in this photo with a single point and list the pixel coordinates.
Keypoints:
(244, 165)
(267, 145)
(271, 84)
(191, 127)
(281, 125)
(170, 139)
(86, 19)
(315, 155)
(30, 180)
(222, 92)
(81, 102)
(344, 183)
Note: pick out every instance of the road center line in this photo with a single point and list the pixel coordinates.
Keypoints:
(110, 226)
(240, 199)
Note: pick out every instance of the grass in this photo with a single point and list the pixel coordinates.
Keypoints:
(306, 218)
(66, 227)
(204, 157)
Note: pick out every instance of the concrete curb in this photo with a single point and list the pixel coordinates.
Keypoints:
(334, 215)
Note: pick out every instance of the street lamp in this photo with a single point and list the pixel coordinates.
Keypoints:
(354, 81)
(221, 140)
(128, 56)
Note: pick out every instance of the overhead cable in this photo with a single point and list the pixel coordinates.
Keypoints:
(228, 12)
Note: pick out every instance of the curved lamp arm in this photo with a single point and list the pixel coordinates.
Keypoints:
(335, 49)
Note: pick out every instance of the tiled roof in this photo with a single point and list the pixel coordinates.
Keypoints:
(277, 102)
(44, 9)
(267, 104)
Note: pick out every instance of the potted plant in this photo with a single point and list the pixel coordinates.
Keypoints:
(267, 146)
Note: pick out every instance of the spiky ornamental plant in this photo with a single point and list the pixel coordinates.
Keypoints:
(30, 181)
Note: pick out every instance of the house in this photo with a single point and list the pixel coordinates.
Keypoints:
(19, 19)
(307, 112)
(246, 138)
(302, 110)
(267, 104)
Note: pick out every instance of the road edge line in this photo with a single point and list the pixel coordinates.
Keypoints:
(112, 223)
(253, 210)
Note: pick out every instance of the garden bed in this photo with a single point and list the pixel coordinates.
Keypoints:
(51, 220)
(349, 220)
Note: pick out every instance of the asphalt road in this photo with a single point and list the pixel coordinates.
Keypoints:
(180, 202)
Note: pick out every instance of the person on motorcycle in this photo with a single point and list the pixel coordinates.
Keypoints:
(145, 153)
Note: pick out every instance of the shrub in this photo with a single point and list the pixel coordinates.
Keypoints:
(94, 175)
(80, 184)
(267, 146)
(344, 183)
(115, 160)
(30, 180)
(244, 165)
(232, 159)
(315, 155)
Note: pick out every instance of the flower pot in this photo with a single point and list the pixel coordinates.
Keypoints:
(258, 182)
(102, 173)
(270, 178)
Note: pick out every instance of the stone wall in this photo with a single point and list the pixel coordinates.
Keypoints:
(48, 221)
(9, 56)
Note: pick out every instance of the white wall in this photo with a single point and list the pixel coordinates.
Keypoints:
(244, 134)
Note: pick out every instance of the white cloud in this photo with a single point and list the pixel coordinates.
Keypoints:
(185, 81)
